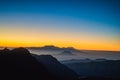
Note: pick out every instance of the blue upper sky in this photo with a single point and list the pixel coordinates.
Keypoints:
(98, 11)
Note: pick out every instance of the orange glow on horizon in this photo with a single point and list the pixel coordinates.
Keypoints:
(25, 38)
(80, 46)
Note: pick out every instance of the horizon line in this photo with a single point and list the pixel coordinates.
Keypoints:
(58, 47)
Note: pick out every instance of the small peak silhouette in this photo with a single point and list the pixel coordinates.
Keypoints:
(5, 50)
(20, 51)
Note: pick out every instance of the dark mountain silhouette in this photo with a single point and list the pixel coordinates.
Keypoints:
(19, 64)
(55, 68)
(101, 59)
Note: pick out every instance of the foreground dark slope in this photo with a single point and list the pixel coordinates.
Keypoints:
(19, 64)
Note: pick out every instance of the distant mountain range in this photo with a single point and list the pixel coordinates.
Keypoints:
(54, 48)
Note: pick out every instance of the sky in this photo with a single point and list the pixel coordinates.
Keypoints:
(82, 24)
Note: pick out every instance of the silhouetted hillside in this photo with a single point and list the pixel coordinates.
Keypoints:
(19, 64)
(55, 68)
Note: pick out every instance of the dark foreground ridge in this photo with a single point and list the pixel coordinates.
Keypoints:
(19, 64)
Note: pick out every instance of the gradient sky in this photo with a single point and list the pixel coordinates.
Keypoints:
(83, 24)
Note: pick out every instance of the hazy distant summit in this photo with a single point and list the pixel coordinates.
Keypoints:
(66, 53)
(53, 48)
